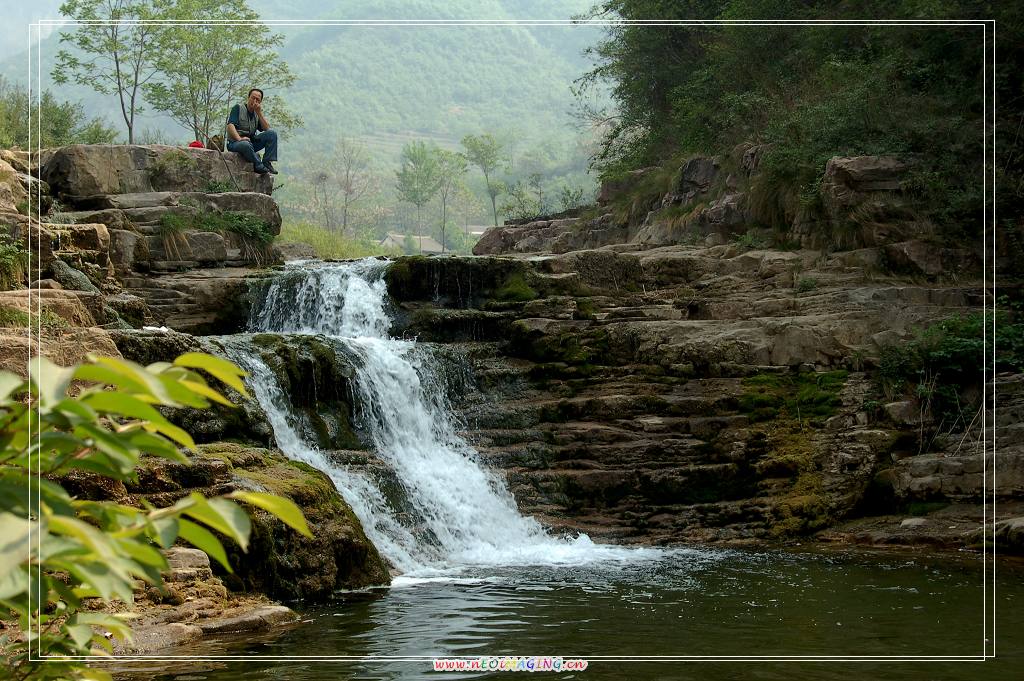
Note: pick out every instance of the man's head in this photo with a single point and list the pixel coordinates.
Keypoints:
(255, 98)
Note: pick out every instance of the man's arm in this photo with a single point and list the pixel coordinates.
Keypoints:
(231, 129)
(264, 126)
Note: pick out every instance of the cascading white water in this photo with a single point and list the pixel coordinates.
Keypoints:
(458, 512)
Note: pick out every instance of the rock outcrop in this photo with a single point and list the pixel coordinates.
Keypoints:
(692, 393)
(864, 206)
(138, 236)
(78, 172)
(167, 236)
(194, 603)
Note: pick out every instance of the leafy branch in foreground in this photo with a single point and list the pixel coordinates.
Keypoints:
(57, 552)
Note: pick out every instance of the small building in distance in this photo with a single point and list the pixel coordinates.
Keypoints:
(421, 243)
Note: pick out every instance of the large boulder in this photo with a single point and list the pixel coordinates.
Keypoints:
(280, 562)
(865, 204)
(12, 193)
(62, 346)
(70, 278)
(551, 236)
(128, 249)
(33, 237)
(84, 170)
(74, 308)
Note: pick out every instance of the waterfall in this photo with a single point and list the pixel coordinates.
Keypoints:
(455, 511)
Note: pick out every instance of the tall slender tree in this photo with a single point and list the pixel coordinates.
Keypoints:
(484, 152)
(350, 167)
(113, 50)
(419, 178)
(451, 167)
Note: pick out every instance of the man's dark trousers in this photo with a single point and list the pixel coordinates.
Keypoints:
(264, 140)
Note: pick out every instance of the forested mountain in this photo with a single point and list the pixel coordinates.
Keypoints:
(389, 83)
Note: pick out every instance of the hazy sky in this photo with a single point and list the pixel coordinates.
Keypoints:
(14, 29)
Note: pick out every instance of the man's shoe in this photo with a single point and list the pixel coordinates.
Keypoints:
(270, 168)
(260, 169)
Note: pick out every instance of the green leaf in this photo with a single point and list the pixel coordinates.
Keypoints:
(72, 407)
(182, 394)
(51, 381)
(282, 508)
(98, 577)
(9, 384)
(205, 541)
(207, 391)
(96, 373)
(223, 516)
(143, 553)
(15, 547)
(172, 431)
(164, 531)
(156, 445)
(114, 623)
(122, 456)
(123, 405)
(14, 582)
(151, 384)
(81, 634)
(222, 369)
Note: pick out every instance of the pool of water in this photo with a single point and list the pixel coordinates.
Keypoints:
(683, 602)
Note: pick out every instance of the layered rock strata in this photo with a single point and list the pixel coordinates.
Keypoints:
(698, 393)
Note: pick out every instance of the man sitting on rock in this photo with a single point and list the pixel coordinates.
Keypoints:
(248, 132)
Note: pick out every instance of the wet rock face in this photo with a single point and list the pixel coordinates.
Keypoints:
(317, 376)
(688, 393)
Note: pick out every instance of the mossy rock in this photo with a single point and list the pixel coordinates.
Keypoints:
(280, 562)
(317, 375)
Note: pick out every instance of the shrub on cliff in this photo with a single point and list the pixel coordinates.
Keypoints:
(58, 552)
(942, 366)
(60, 123)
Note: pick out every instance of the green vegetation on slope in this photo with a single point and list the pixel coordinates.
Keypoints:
(813, 92)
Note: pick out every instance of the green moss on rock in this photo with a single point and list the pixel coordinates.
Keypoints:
(280, 562)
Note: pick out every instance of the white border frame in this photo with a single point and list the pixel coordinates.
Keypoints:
(988, 174)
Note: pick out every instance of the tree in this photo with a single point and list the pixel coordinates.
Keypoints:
(57, 550)
(61, 123)
(351, 163)
(206, 68)
(519, 205)
(451, 167)
(115, 55)
(535, 181)
(484, 152)
(325, 193)
(644, 67)
(419, 177)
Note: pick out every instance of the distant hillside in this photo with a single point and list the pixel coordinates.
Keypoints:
(386, 84)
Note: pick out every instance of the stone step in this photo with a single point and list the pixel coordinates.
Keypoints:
(173, 265)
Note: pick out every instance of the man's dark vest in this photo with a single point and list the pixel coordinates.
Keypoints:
(248, 123)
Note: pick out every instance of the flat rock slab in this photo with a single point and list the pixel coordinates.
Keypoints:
(260, 619)
(149, 206)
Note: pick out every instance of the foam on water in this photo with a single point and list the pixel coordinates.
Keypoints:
(455, 512)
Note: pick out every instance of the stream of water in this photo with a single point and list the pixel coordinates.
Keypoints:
(453, 512)
(478, 578)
